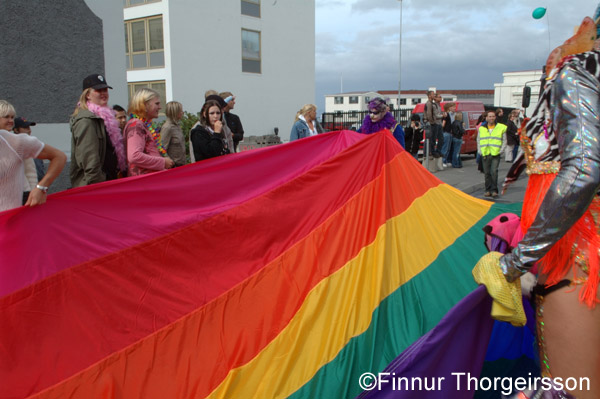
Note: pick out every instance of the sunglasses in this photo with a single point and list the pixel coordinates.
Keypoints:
(374, 112)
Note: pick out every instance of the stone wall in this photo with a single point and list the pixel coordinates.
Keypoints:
(47, 48)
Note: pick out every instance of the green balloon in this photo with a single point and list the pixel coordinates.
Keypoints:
(539, 13)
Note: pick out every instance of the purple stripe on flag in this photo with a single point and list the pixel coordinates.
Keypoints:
(438, 365)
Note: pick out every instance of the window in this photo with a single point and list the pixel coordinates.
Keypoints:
(367, 99)
(250, 51)
(338, 100)
(251, 8)
(158, 85)
(403, 101)
(447, 99)
(144, 45)
(128, 3)
(353, 114)
(415, 101)
(353, 100)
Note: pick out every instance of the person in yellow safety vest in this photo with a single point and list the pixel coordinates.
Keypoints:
(491, 141)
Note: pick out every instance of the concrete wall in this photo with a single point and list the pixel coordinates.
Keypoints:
(43, 43)
(205, 48)
(111, 13)
(48, 48)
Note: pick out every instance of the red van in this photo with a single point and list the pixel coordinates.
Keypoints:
(471, 111)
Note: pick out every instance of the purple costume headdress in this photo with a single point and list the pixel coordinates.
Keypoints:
(387, 122)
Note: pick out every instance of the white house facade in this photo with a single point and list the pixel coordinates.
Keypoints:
(261, 51)
(509, 93)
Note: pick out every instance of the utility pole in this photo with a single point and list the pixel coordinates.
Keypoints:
(400, 60)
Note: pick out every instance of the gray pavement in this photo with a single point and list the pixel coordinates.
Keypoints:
(470, 181)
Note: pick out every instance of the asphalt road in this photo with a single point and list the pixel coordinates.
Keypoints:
(470, 181)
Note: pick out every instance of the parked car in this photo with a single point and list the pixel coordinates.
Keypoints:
(471, 111)
(335, 126)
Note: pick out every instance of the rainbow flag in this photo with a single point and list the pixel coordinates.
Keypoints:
(287, 271)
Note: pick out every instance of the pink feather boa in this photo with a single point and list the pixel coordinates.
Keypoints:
(114, 133)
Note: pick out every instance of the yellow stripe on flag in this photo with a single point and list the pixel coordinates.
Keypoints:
(340, 307)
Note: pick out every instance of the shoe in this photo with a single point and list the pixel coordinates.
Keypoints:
(439, 163)
(487, 194)
(494, 195)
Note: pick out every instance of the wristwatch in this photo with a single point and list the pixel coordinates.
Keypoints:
(42, 188)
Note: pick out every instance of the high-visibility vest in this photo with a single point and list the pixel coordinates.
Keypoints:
(490, 143)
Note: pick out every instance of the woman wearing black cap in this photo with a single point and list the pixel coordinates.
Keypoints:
(97, 151)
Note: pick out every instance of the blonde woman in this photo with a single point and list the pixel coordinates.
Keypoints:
(97, 151)
(304, 124)
(14, 150)
(145, 153)
(171, 134)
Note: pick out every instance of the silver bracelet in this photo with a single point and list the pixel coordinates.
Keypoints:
(42, 188)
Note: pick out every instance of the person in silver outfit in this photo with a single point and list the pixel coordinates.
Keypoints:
(567, 118)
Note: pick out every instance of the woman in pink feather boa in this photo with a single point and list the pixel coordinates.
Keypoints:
(97, 151)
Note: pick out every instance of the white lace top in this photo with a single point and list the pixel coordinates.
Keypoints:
(14, 150)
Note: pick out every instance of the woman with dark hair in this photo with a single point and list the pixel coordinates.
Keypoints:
(512, 136)
(414, 136)
(379, 118)
(457, 131)
(208, 139)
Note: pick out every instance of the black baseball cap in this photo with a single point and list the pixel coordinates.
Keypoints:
(22, 122)
(95, 81)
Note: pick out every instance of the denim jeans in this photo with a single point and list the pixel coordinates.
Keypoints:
(446, 147)
(515, 151)
(456, 144)
(437, 140)
(490, 169)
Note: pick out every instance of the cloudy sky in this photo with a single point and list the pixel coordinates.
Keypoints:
(460, 44)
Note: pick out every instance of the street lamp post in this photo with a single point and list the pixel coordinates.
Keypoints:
(400, 59)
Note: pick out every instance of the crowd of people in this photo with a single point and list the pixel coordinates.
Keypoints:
(108, 143)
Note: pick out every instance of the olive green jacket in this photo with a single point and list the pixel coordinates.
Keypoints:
(88, 148)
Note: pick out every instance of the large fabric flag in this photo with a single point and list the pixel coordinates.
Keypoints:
(287, 271)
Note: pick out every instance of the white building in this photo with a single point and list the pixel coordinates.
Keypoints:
(358, 101)
(509, 93)
(262, 51)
